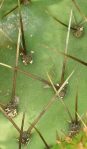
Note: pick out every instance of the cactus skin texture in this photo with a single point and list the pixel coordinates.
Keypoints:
(45, 26)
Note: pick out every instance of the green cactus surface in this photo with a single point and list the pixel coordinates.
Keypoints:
(46, 37)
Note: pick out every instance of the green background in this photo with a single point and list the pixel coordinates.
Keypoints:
(45, 37)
